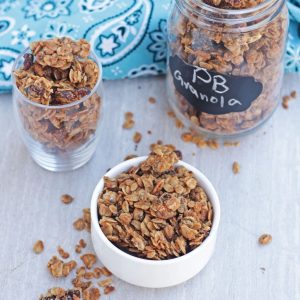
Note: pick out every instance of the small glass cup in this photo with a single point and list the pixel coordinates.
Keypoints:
(59, 137)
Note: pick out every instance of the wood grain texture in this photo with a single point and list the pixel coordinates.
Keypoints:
(263, 198)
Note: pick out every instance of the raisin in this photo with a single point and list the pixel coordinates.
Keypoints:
(178, 154)
(71, 293)
(81, 92)
(28, 61)
(35, 91)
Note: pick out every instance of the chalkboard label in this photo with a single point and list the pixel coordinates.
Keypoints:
(212, 92)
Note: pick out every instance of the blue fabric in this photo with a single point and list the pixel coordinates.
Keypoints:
(128, 35)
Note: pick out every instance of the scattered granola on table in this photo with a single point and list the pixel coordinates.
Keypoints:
(265, 239)
(63, 253)
(286, 99)
(155, 210)
(66, 199)
(129, 121)
(152, 100)
(83, 223)
(58, 72)
(38, 247)
(58, 293)
(225, 77)
(137, 137)
(58, 268)
(236, 167)
(199, 140)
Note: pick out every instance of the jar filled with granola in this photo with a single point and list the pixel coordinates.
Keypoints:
(225, 63)
(57, 97)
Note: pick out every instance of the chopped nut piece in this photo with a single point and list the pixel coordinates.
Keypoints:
(106, 272)
(63, 253)
(97, 272)
(152, 100)
(38, 247)
(265, 239)
(91, 294)
(155, 210)
(66, 199)
(79, 224)
(105, 282)
(108, 289)
(137, 137)
(88, 259)
(236, 167)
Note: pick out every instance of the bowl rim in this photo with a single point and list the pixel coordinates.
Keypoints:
(202, 180)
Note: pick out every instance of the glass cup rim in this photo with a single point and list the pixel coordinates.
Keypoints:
(68, 105)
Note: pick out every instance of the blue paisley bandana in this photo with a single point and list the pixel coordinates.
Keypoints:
(128, 35)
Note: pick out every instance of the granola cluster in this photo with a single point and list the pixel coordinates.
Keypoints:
(155, 210)
(255, 53)
(58, 72)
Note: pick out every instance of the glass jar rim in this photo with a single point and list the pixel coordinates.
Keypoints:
(231, 11)
(68, 105)
(260, 14)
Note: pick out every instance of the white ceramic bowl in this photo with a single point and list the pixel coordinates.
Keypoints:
(151, 273)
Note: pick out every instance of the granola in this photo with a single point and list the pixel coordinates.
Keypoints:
(265, 239)
(236, 167)
(59, 72)
(156, 210)
(286, 99)
(83, 223)
(38, 247)
(58, 293)
(137, 137)
(58, 268)
(66, 199)
(220, 49)
(129, 121)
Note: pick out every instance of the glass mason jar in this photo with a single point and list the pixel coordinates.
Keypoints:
(59, 137)
(225, 65)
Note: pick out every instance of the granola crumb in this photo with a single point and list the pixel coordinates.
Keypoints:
(152, 100)
(91, 294)
(178, 123)
(79, 224)
(231, 144)
(129, 121)
(83, 223)
(108, 289)
(294, 94)
(285, 101)
(130, 156)
(106, 272)
(105, 282)
(97, 272)
(66, 199)
(171, 114)
(38, 247)
(62, 252)
(137, 137)
(265, 239)
(88, 259)
(236, 167)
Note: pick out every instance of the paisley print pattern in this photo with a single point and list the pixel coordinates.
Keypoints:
(129, 36)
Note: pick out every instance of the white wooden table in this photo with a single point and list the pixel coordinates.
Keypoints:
(264, 197)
